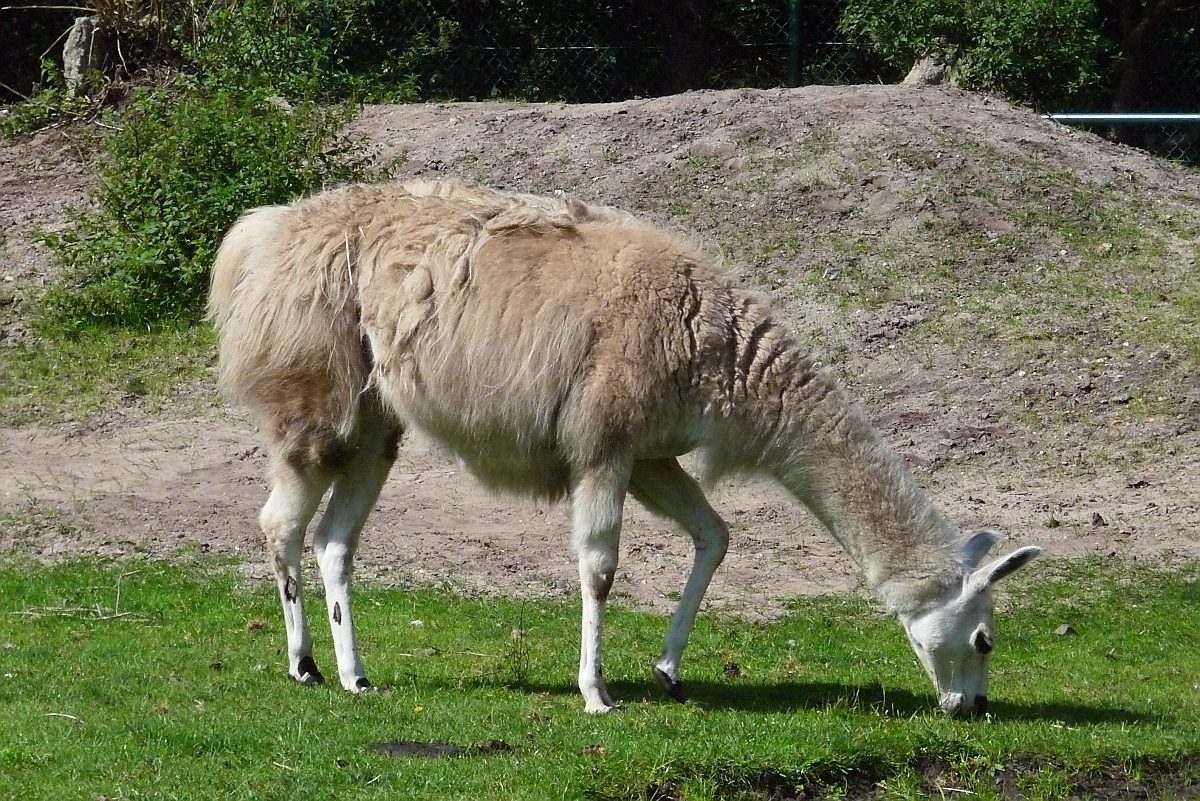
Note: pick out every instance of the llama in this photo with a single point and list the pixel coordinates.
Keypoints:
(559, 350)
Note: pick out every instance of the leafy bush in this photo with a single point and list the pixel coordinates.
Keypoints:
(187, 158)
(176, 174)
(1044, 52)
(310, 49)
(49, 104)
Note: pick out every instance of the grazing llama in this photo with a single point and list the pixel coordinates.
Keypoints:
(559, 350)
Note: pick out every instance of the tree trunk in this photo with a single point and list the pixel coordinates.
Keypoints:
(1138, 26)
(687, 26)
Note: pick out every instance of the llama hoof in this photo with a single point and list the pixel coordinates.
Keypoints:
(672, 687)
(307, 679)
(364, 685)
(307, 673)
(604, 709)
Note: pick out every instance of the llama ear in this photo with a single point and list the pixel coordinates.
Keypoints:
(974, 549)
(989, 574)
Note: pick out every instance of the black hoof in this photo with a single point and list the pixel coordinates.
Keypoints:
(672, 687)
(309, 675)
(363, 684)
(307, 679)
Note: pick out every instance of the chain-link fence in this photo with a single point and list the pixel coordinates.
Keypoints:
(1178, 142)
(1175, 141)
(577, 51)
(587, 51)
(584, 52)
(1160, 78)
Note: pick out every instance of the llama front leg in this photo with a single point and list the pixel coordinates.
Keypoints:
(666, 489)
(294, 497)
(597, 500)
(336, 539)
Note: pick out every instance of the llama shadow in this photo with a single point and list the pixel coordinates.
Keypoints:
(799, 696)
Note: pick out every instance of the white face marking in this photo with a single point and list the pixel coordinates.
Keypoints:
(954, 639)
(952, 642)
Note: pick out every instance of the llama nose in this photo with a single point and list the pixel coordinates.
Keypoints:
(956, 705)
(981, 705)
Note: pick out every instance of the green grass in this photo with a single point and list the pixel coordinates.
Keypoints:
(57, 380)
(153, 680)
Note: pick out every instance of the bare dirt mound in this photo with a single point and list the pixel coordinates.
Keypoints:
(1007, 297)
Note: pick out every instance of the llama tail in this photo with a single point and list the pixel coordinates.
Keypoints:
(285, 308)
(234, 259)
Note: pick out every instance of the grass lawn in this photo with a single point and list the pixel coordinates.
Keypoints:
(153, 680)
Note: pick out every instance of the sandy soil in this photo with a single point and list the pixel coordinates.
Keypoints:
(740, 169)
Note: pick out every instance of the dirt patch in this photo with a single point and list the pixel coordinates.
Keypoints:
(41, 177)
(1021, 777)
(156, 486)
(813, 196)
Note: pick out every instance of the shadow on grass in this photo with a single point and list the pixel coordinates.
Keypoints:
(792, 697)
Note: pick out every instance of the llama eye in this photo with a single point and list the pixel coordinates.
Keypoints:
(983, 643)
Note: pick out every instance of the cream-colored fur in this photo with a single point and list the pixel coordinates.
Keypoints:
(559, 350)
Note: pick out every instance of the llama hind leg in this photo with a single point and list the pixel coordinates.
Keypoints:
(597, 500)
(336, 539)
(666, 489)
(295, 495)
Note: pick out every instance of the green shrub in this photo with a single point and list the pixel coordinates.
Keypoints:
(187, 158)
(49, 104)
(1047, 53)
(313, 49)
(180, 168)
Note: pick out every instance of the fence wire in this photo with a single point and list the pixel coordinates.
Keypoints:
(587, 51)
(1172, 142)
(615, 51)
(581, 51)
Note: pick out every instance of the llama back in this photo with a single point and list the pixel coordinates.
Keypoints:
(544, 329)
(285, 296)
(526, 333)
(473, 339)
(516, 206)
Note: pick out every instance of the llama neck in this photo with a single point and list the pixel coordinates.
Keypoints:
(776, 411)
(834, 461)
(800, 427)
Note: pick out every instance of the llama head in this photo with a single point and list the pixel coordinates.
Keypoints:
(954, 638)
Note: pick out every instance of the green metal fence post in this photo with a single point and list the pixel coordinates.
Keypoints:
(795, 45)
